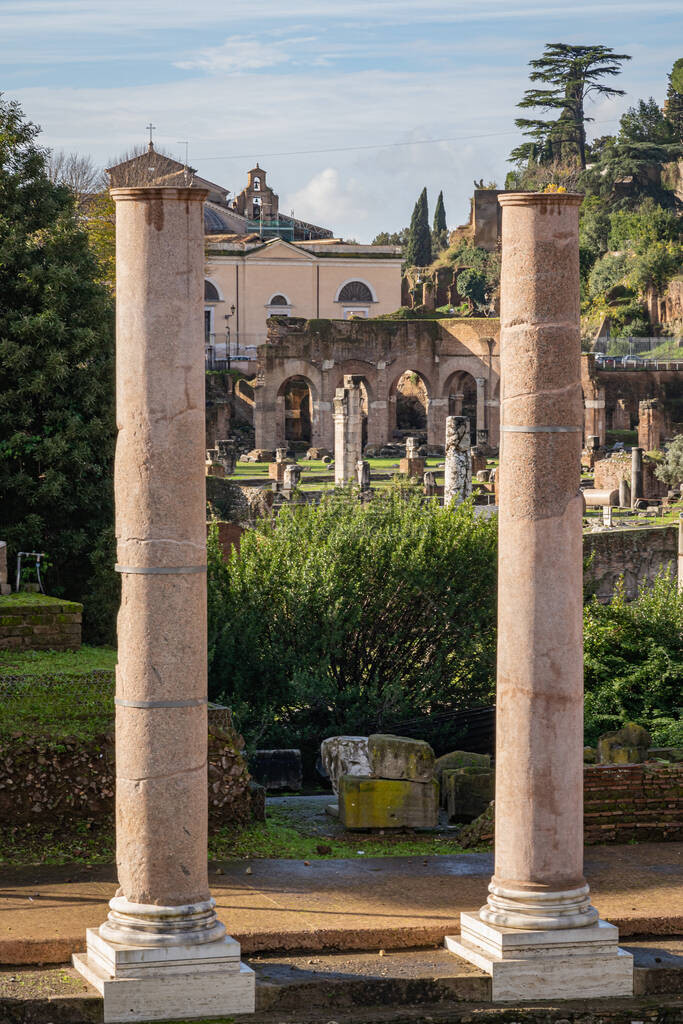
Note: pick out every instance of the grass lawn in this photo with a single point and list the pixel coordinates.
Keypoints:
(57, 694)
(94, 843)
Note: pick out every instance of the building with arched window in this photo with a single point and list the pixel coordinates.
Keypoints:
(321, 279)
(262, 263)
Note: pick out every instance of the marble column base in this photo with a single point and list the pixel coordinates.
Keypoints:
(146, 983)
(525, 964)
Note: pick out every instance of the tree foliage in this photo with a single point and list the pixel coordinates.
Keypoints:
(419, 245)
(56, 381)
(440, 227)
(633, 659)
(570, 75)
(350, 617)
(671, 469)
(674, 99)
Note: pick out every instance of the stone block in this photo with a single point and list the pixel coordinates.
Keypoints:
(628, 745)
(467, 792)
(344, 755)
(459, 759)
(666, 753)
(398, 757)
(412, 467)
(277, 769)
(387, 803)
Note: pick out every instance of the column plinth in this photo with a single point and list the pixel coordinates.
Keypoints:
(538, 934)
(162, 953)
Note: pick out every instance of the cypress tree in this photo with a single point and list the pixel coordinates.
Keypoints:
(419, 247)
(440, 229)
(57, 425)
(674, 99)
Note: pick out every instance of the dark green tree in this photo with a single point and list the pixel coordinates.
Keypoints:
(392, 238)
(440, 228)
(56, 382)
(419, 245)
(646, 123)
(674, 99)
(570, 75)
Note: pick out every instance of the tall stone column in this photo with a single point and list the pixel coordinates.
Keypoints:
(348, 430)
(458, 476)
(636, 475)
(538, 935)
(162, 950)
(481, 403)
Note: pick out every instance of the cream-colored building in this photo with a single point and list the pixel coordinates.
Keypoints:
(261, 262)
(249, 279)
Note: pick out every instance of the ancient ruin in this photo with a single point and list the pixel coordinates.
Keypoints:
(458, 478)
(538, 935)
(348, 437)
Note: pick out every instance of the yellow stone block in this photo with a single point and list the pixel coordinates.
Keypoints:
(387, 803)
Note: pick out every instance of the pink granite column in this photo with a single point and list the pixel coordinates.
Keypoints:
(538, 880)
(538, 935)
(161, 726)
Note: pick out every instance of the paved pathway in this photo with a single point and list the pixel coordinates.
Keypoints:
(277, 906)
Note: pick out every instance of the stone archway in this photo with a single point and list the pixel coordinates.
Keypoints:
(296, 405)
(460, 393)
(410, 403)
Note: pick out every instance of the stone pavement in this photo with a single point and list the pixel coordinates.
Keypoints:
(281, 906)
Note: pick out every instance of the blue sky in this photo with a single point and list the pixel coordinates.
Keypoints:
(265, 79)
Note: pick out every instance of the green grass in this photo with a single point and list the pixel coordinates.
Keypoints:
(47, 663)
(23, 598)
(57, 694)
(91, 843)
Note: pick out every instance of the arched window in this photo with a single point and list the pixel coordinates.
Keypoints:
(355, 291)
(257, 184)
(278, 300)
(211, 292)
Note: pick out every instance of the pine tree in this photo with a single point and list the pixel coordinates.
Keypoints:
(419, 247)
(674, 99)
(440, 229)
(573, 73)
(57, 423)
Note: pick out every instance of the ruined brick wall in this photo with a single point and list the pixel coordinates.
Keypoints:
(642, 802)
(48, 783)
(607, 474)
(637, 555)
(219, 392)
(32, 625)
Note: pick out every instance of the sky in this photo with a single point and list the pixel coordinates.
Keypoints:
(352, 106)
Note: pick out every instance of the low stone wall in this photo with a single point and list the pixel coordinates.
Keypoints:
(621, 803)
(33, 622)
(636, 554)
(632, 802)
(609, 472)
(54, 784)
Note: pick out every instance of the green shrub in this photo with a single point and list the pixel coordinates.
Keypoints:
(349, 617)
(633, 658)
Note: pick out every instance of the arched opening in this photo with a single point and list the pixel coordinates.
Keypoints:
(412, 402)
(278, 300)
(298, 409)
(210, 292)
(461, 392)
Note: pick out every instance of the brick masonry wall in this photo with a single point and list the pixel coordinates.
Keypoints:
(49, 625)
(642, 802)
(637, 555)
(636, 801)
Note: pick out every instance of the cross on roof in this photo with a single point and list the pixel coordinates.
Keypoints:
(150, 128)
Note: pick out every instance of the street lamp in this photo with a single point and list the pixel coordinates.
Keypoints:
(227, 333)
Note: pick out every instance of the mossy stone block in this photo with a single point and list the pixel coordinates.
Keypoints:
(398, 757)
(466, 792)
(387, 803)
(458, 759)
(628, 745)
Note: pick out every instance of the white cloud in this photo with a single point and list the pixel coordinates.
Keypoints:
(325, 200)
(244, 53)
